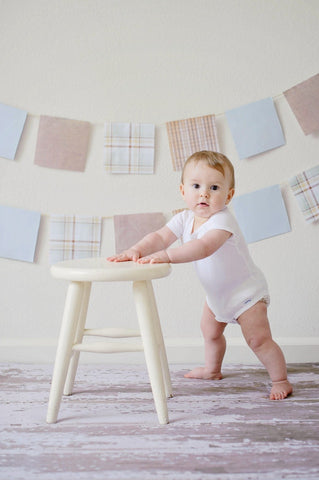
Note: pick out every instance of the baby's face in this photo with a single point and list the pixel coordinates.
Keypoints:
(205, 190)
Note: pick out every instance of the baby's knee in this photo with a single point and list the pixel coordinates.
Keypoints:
(214, 337)
(212, 334)
(211, 329)
(256, 341)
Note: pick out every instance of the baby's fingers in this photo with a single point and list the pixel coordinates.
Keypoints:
(111, 259)
(118, 258)
(155, 260)
(144, 260)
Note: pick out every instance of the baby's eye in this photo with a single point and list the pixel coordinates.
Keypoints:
(214, 187)
(196, 185)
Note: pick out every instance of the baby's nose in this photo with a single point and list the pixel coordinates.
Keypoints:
(204, 193)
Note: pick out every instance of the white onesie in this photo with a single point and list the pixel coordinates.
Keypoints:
(229, 276)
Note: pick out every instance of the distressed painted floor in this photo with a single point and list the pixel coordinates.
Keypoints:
(225, 430)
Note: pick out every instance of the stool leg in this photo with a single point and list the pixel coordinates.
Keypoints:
(145, 313)
(160, 340)
(74, 362)
(65, 343)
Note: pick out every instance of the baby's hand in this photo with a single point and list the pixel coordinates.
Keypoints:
(157, 257)
(125, 256)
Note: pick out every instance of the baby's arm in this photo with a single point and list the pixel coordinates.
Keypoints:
(153, 242)
(190, 251)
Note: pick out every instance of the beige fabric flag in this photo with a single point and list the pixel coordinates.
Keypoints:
(192, 135)
(129, 229)
(304, 102)
(62, 143)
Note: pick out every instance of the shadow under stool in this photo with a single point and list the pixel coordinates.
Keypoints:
(81, 274)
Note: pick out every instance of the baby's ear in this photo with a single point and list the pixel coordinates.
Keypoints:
(181, 189)
(230, 195)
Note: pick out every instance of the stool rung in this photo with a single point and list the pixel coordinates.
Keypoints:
(112, 332)
(108, 347)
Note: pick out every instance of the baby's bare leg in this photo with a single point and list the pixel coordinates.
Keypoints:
(215, 346)
(256, 330)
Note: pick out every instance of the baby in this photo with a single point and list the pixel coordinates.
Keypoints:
(236, 290)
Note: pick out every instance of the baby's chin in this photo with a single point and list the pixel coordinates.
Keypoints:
(205, 211)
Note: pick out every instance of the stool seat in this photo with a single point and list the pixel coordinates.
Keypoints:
(81, 274)
(100, 270)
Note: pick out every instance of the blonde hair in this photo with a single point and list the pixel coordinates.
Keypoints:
(214, 160)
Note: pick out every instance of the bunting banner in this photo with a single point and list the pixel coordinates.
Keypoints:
(129, 148)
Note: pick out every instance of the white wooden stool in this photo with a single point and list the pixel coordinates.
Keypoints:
(81, 274)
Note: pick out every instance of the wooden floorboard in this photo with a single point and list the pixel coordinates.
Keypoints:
(227, 430)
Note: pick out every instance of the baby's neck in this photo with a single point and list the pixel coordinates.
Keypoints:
(198, 222)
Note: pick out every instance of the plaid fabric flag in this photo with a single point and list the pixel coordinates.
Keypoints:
(303, 100)
(192, 135)
(129, 147)
(74, 237)
(305, 187)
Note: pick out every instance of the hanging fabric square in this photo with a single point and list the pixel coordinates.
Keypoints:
(12, 122)
(255, 128)
(261, 214)
(74, 236)
(303, 100)
(191, 135)
(62, 143)
(305, 187)
(19, 231)
(129, 229)
(129, 148)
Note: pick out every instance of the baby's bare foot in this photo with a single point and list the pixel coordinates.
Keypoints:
(280, 390)
(204, 374)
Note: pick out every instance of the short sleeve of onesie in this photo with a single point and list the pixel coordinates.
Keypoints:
(222, 220)
(179, 222)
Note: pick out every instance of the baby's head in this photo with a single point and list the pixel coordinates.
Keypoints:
(214, 160)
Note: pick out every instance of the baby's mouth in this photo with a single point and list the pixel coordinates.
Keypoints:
(203, 204)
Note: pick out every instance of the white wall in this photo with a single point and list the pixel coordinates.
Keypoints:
(154, 61)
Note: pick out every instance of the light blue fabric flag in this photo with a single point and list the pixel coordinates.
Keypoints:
(255, 128)
(18, 233)
(12, 121)
(261, 214)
